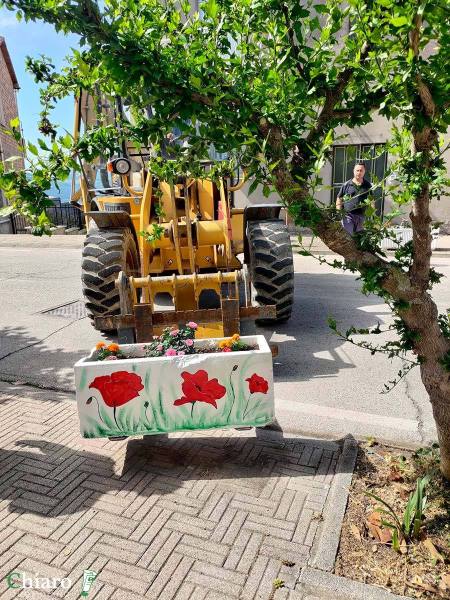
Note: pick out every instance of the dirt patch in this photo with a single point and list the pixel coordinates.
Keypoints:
(421, 568)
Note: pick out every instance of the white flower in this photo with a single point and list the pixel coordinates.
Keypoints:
(165, 41)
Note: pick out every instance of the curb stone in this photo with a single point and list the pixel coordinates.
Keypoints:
(332, 587)
(324, 552)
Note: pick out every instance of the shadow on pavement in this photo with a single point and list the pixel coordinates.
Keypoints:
(51, 479)
(306, 335)
(26, 358)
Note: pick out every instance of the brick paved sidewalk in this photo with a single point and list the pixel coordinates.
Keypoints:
(204, 516)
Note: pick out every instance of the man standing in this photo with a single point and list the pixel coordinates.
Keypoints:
(352, 197)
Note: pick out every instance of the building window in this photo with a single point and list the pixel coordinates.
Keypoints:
(372, 155)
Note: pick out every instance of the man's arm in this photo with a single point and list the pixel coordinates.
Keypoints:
(340, 198)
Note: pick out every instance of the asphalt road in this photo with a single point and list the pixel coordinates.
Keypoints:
(324, 386)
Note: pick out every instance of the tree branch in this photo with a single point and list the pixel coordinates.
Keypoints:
(291, 36)
(332, 97)
(422, 88)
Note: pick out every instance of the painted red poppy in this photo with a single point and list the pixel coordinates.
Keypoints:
(118, 388)
(256, 383)
(198, 388)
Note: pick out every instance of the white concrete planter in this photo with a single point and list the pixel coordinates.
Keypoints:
(404, 235)
(142, 396)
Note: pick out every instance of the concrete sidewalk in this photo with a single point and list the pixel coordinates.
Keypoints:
(213, 515)
(208, 515)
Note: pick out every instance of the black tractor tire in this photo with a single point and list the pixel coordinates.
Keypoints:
(271, 267)
(106, 252)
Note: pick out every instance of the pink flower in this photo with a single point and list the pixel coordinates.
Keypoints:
(192, 325)
(159, 347)
(175, 332)
(170, 352)
(226, 349)
(112, 358)
(189, 342)
(181, 353)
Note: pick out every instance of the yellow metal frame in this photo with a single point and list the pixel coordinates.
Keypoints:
(192, 240)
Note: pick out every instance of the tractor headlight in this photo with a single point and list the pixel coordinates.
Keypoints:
(119, 166)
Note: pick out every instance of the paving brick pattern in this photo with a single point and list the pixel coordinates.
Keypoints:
(210, 515)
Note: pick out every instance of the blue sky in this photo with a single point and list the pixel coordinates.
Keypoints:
(32, 39)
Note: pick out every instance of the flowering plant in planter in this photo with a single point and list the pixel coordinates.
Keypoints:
(173, 341)
(212, 383)
(108, 352)
(233, 344)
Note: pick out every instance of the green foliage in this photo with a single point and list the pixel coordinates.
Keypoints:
(216, 76)
(156, 233)
(407, 526)
(277, 584)
(111, 352)
(267, 83)
(176, 341)
(26, 190)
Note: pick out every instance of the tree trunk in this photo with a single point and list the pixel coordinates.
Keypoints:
(421, 315)
(441, 413)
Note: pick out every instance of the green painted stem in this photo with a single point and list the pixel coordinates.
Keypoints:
(246, 406)
(234, 396)
(114, 412)
(98, 410)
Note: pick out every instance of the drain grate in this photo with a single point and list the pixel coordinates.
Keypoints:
(72, 310)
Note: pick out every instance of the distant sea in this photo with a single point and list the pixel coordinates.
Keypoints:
(64, 191)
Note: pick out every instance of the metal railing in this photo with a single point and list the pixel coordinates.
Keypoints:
(63, 214)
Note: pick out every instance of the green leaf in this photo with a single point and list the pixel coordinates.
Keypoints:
(15, 123)
(390, 511)
(211, 8)
(253, 186)
(43, 145)
(332, 323)
(66, 141)
(400, 21)
(32, 148)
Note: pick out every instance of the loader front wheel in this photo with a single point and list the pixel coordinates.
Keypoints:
(271, 267)
(106, 252)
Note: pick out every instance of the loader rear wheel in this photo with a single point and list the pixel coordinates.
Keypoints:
(106, 252)
(271, 267)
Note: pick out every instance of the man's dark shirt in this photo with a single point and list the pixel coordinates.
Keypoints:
(358, 193)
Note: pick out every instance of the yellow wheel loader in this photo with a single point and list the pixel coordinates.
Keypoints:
(174, 243)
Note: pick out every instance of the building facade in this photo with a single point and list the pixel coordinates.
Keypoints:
(8, 111)
(366, 143)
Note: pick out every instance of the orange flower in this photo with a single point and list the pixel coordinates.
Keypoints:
(113, 347)
(100, 345)
(235, 337)
(224, 344)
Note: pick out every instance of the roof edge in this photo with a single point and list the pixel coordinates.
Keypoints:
(8, 61)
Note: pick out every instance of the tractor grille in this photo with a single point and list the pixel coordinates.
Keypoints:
(116, 206)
